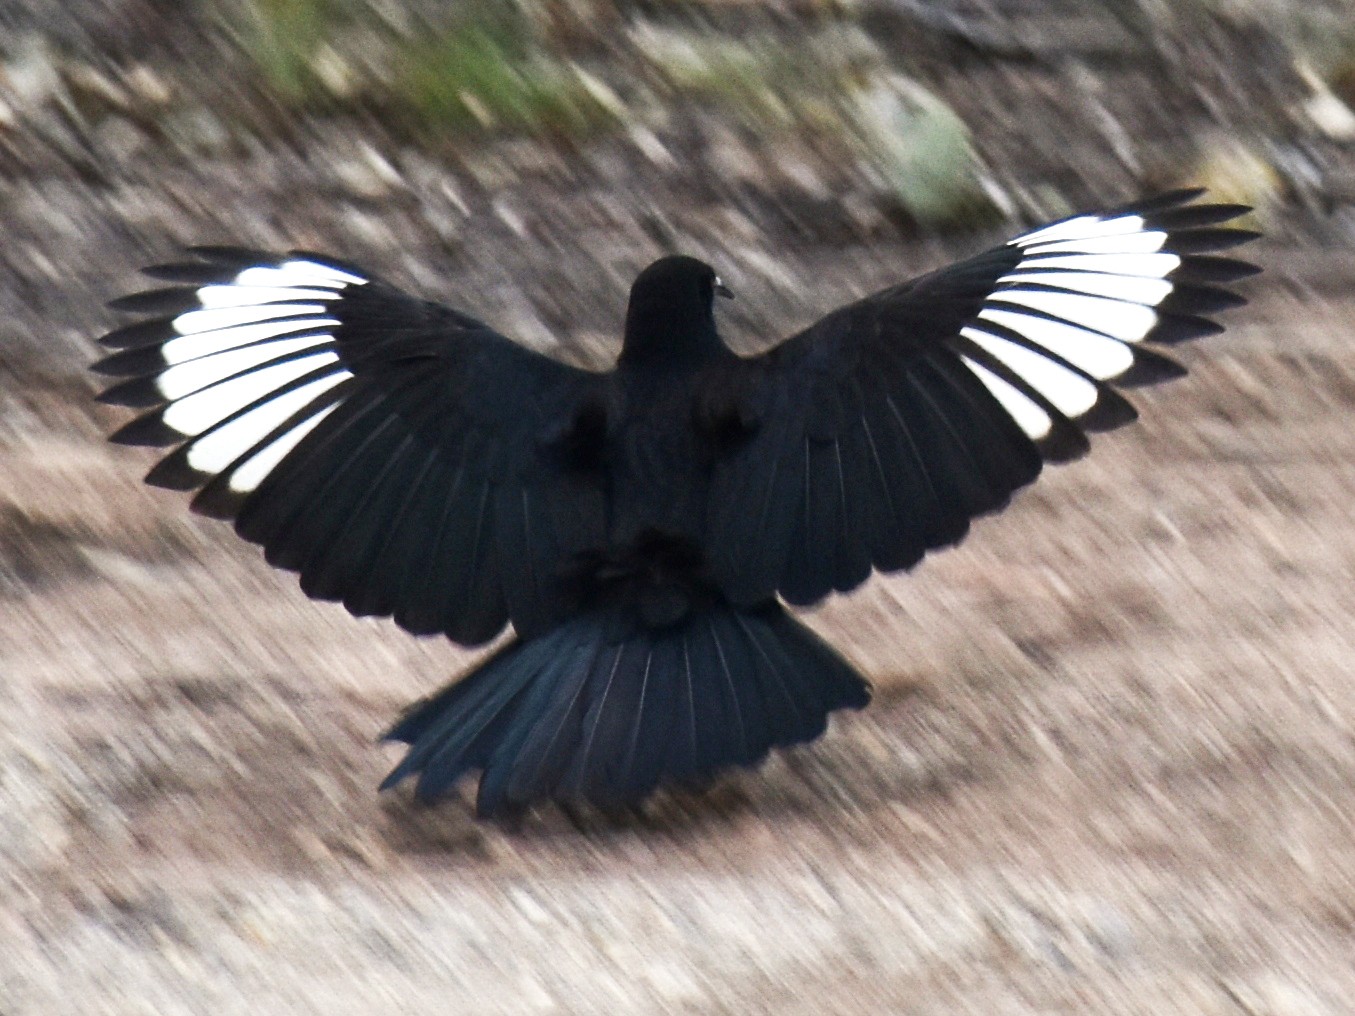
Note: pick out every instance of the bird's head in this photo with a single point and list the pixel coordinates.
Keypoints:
(671, 311)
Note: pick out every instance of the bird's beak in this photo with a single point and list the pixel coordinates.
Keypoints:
(722, 290)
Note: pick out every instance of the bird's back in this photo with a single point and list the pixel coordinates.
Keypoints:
(655, 469)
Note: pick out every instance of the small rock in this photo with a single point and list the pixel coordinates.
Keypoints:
(31, 76)
(920, 148)
(1327, 111)
(335, 73)
(96, 88)
(119, 140)
(368, 174)
(147, 85)
(198, 129)
(600, 92)
(651, 147)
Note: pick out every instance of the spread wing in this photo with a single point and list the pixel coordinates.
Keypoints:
(879, 432)
(405, 458)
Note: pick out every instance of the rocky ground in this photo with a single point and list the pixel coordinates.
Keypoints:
(1111, 760)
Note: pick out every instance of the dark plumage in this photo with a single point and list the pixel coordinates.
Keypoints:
(640, 526)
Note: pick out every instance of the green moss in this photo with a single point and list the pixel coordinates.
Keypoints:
(476, 77)
(283, 38)
(492, 68)
(481, 68)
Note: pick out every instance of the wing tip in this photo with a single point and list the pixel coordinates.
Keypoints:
(1110, 411)
(147, 430)
(133, 393)
(138, 334)
(173, 473)
(1148, 368)
(217, 500)
(1174, 329)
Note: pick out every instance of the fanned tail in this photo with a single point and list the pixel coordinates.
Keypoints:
(603, 711)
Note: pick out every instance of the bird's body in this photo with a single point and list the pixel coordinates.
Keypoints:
(641, 527)
(651, 455)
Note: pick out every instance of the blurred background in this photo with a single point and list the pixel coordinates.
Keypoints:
(1110, 763)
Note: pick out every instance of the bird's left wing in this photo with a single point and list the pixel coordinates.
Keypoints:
(402, 456)
(879, 432)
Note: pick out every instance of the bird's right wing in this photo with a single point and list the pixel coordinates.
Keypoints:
(402, 456)
(879, 432)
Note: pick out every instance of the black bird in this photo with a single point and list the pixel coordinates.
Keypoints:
(641, 527)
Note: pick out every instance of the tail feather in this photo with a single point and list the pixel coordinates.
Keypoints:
(642, 766)
(596, 712)
(801, 703)
(615, 750)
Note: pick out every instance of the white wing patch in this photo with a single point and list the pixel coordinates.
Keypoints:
(215, 451)
(1128, 322)
(1071, 394)
(193, 375)
(1028, 416)
(1148, 266)
(237, 363)
(192, 346)
(232, 295)
(252, 472)
(1149, 292)
(207, 407)
(217, 318)
(1083, 289)
(1099, 356)
(1084, 227)
(1132, 243)
(298, 272)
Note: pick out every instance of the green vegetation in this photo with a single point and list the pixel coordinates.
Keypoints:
(473, 76)
(284, 38)
(500, 67)
(921, 150)
(839, 88)
(483, 67)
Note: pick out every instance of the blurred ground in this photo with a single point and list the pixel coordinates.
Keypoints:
(1110, 764)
